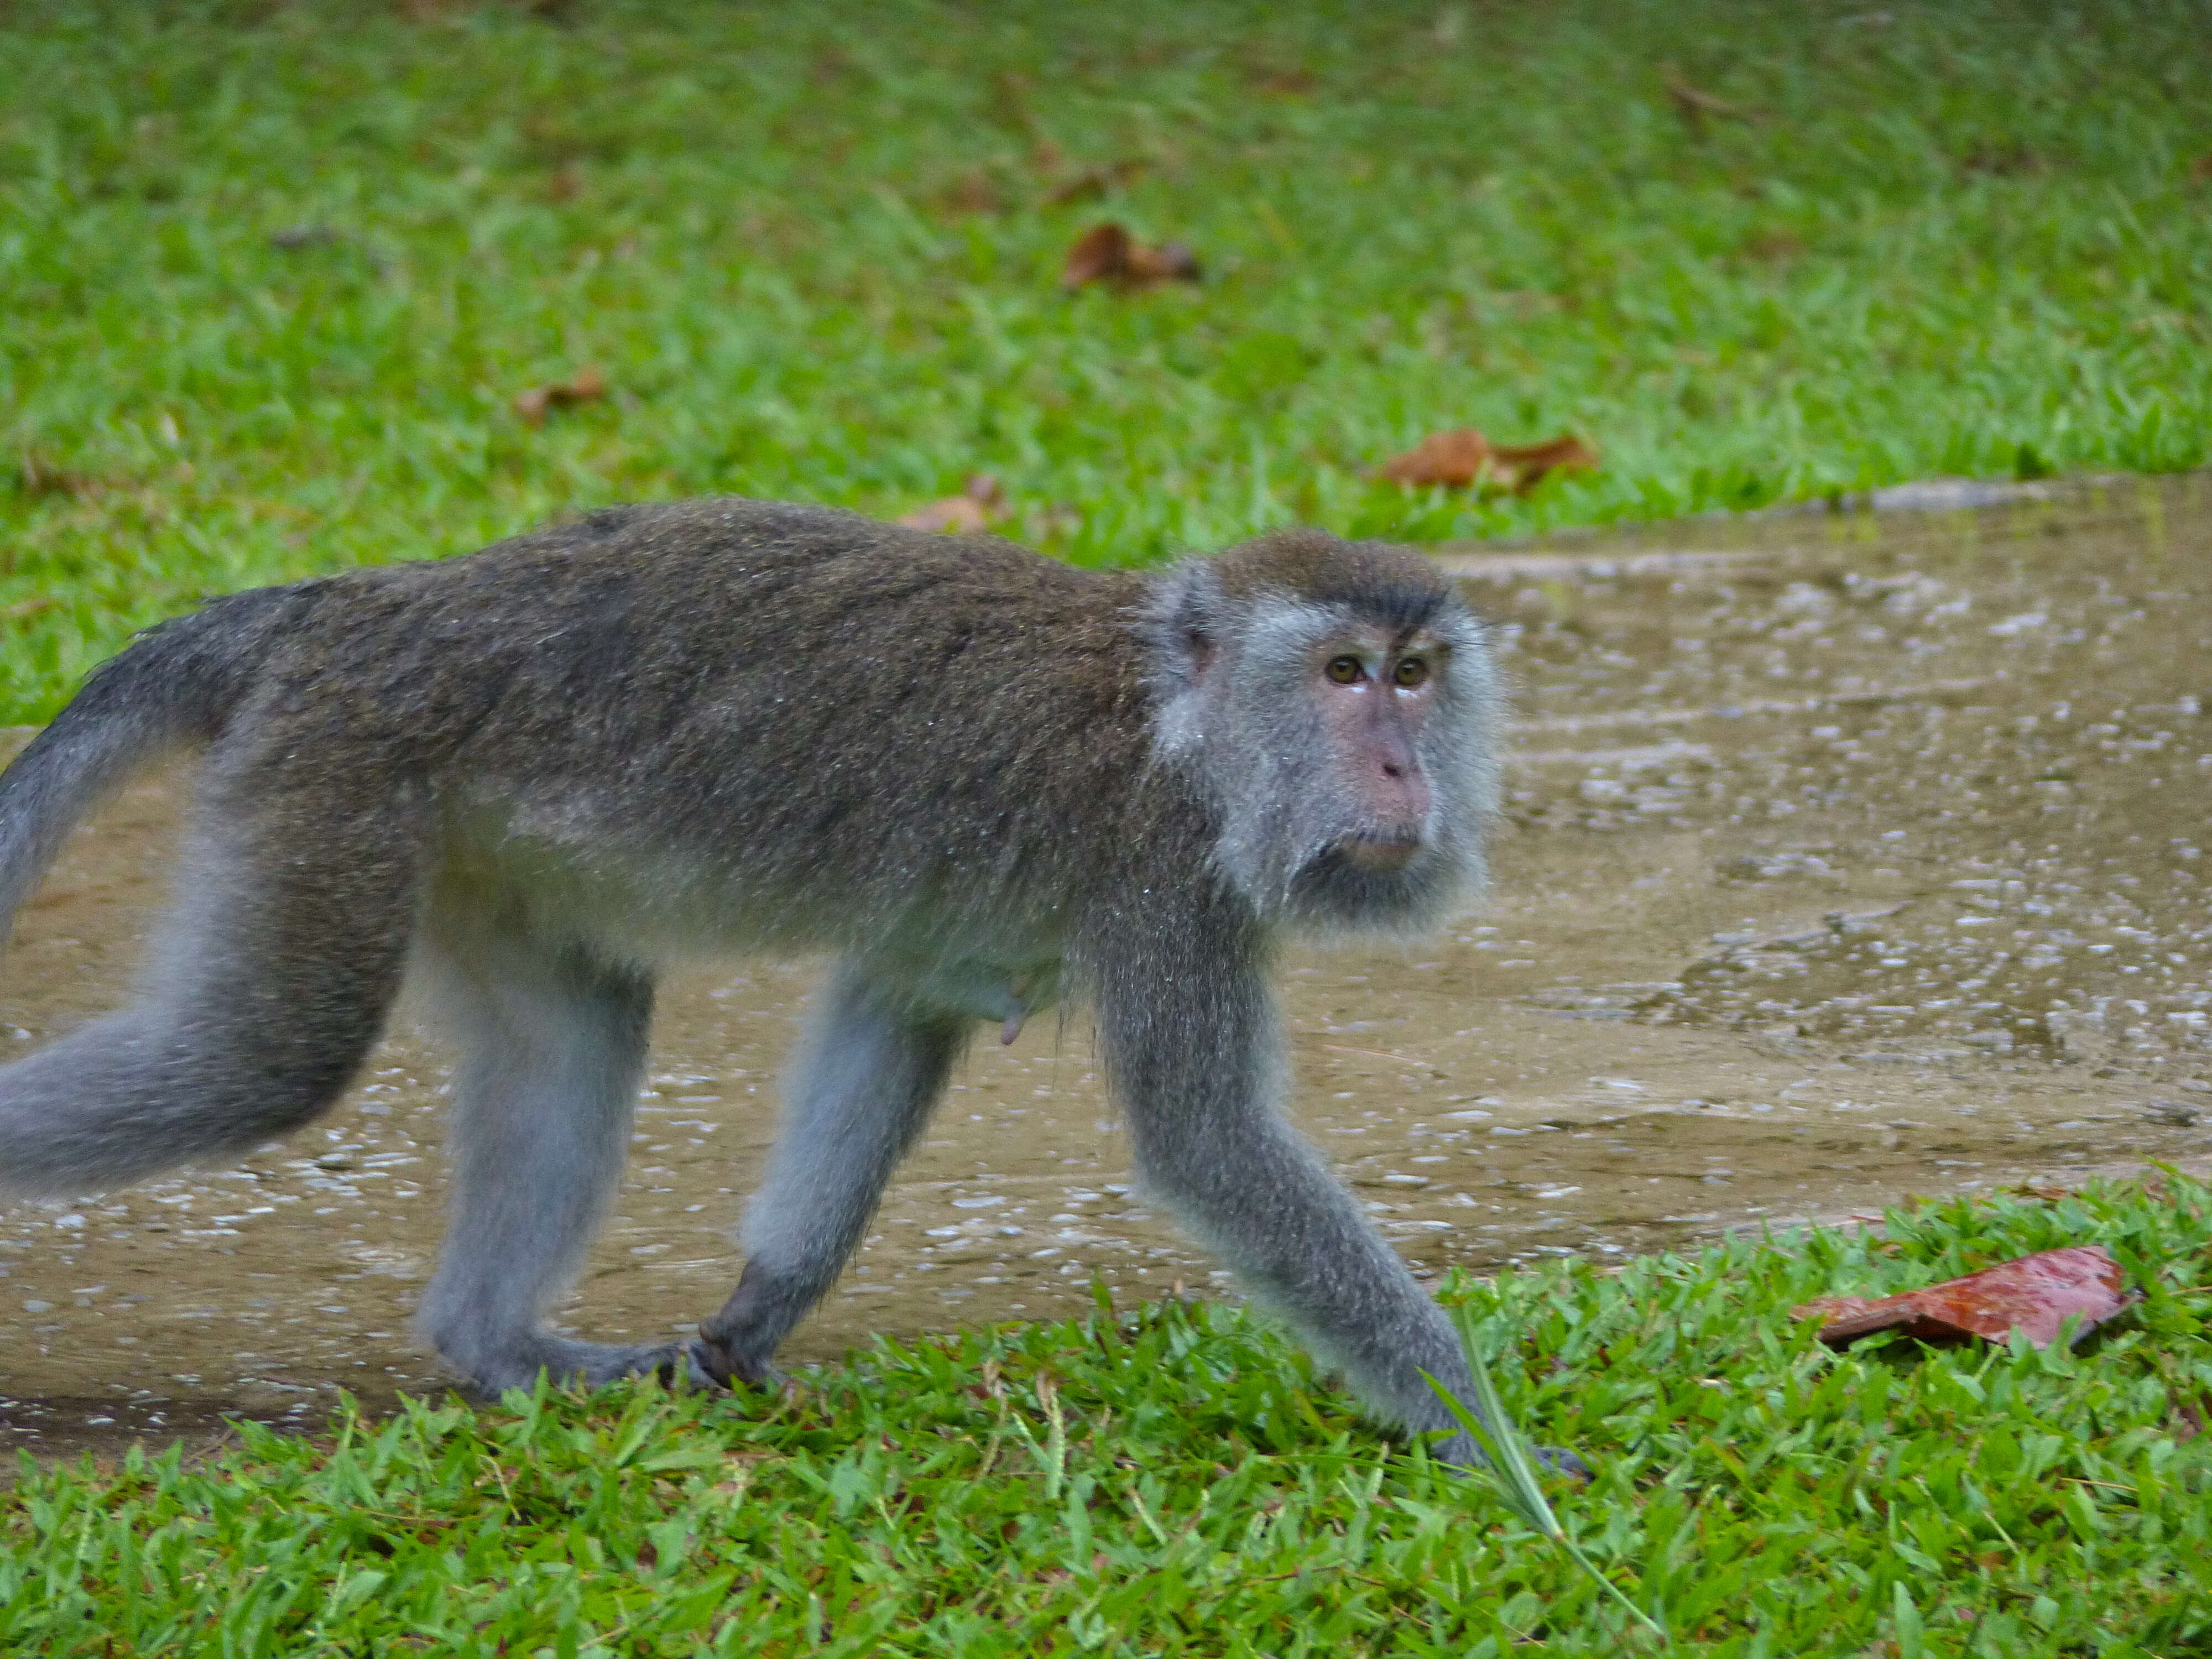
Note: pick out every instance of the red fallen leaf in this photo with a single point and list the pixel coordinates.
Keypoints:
(585, 385)
(1098, 255)
(1454, 459)
(1108, 254)
(981, 502)
(2032, 1295)
(1526, 465)
(1462, 457)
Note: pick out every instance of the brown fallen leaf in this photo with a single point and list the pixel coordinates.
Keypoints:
(1464, 457)
(1693, 104)
(1772, 246)
(972, 192)
(981, 503)
(2033, 1295)
(39, 476)
(1284, 82)
(2011, 161)
(585, 385)
(1094, 181)
(2200, 170)
(1108, 254)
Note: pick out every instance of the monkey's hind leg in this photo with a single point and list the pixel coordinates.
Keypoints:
(269, 984)
(858, 1094)
(552, 1049)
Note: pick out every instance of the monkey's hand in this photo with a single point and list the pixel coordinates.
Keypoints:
(1461, 1451)
(1560, 1460)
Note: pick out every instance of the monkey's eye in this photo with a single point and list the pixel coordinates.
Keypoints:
(1345, 671)
(1411, 671)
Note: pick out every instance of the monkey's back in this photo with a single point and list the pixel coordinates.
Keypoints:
(730, 715)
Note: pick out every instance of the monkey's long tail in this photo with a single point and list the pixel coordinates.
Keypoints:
(175, 686)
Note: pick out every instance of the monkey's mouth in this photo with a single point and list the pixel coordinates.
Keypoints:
(1380, 850)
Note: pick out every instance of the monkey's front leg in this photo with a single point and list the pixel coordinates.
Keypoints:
(1198, 1084)
(869, 1070)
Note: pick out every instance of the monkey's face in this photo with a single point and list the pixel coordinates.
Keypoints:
(1375, 693)
(1345, 740)
(1378, 761)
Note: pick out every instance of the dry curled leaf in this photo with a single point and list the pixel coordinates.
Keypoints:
(1463, 457)
(981, 503)
(583, 387)
(1694, 105)
(1108, 254)
(2035, 1295)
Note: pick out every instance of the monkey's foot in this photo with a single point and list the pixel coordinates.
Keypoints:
(1461, 1451)
(584, 1365)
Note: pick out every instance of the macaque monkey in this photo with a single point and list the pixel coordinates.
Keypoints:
(978, 779)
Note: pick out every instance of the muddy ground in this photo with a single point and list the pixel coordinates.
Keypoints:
(1846, 857)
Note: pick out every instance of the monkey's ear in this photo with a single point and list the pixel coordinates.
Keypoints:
(1196, 644)
(1182, 627)
(1183, 624)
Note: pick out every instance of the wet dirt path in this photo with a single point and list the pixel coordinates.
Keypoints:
(1845, 858)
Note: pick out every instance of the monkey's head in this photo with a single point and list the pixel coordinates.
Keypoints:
(1336, 704)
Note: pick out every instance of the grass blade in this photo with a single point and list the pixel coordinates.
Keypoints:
(1513, 1473)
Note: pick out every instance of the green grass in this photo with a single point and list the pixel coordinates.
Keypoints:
(1176, 1481)
(815, 249)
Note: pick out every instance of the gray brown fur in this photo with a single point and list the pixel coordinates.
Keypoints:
(977, 779)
